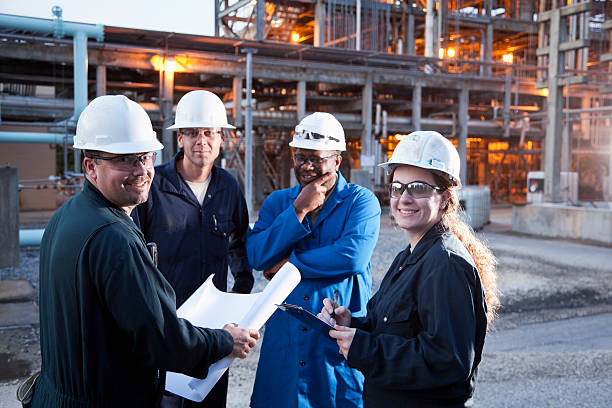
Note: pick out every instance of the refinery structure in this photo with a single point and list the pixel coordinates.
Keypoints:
(518, 86)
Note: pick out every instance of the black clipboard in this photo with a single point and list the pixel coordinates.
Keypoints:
(307, 318)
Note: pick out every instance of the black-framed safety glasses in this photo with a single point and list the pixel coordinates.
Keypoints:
(128, 161)
(316, 161)
(416, 189)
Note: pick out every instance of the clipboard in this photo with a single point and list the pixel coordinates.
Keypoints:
(307, 318)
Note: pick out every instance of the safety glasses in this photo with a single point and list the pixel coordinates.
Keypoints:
(308, 135)
(416, 189)
(199, 132)
(316, 161)
(127, 162)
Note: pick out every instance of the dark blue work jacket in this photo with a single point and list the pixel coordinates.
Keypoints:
(195, 241)
(422, 338)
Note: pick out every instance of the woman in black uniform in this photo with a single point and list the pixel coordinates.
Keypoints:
(421, 341)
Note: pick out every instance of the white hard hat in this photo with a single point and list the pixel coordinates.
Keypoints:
(115, 124)
(428, 150)
(319, 131)
(200, 109)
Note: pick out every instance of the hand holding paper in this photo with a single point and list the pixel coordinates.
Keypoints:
(209, 307)
(244, 340)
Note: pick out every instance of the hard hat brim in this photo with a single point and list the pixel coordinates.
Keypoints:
(200, 125)
(310, 146)
(125, 148)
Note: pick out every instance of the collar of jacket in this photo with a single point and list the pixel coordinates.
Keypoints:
(421, 248)
(96, 195)
(170, 181)
(337, 196)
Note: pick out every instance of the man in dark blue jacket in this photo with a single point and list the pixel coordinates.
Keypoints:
(197, 215)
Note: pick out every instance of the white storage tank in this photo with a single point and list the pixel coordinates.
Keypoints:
(476, 202)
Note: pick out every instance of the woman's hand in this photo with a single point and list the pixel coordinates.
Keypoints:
(344, 338)
(340, 314)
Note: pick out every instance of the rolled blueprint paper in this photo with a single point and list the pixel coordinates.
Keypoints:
(209, 307)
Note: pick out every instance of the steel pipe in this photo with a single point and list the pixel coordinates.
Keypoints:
(30, 237)
(33, 137)
(43, 25)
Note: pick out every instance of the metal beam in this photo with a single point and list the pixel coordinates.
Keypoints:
(565, 11)
(566, 46)
(232, 8)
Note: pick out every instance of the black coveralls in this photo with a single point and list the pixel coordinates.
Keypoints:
(422, 338)
(107, 316)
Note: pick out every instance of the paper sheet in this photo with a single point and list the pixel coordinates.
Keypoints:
(211, 308)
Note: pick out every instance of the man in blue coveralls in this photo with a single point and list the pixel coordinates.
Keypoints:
(328, 229)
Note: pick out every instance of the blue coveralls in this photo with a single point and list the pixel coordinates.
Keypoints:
(298, 367)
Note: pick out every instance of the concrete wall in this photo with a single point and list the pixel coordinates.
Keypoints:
(563, 221)
(34, 161)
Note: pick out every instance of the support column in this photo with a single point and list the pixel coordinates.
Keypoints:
(9, 217)
(416, 106)
(410, 48)
(217, 20)
(489, 48)
(80, 73)
(609, 192)
(366, 159)
(100, 80)
(260, 20)
(248, 131)
(300, 102)
(79, 49)
(258, 172)
(429, 29)
(566, 149)
(364, 175)
(357, 25)
(552, 160)
(319, 24)
(462, 119)
(237, 108)
(166, 83)
(507, 98)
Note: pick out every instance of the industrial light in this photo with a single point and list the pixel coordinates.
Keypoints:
(295, 37)
(508, 58)
(441, 53)
(450, 52)
(168, 64)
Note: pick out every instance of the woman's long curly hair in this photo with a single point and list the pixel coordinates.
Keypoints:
(483, 257)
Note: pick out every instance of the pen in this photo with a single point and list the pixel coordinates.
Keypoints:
(335, 305)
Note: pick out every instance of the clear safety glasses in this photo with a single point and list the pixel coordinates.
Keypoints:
(416, 189)
(199, 132)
